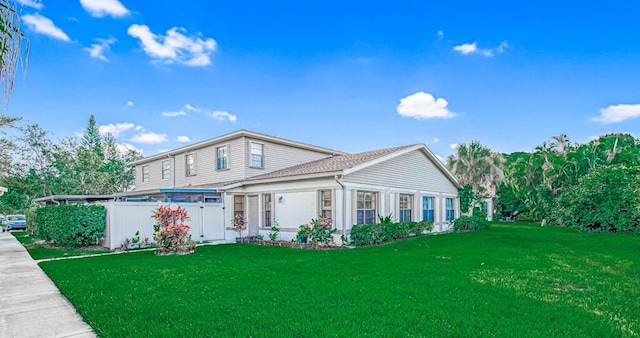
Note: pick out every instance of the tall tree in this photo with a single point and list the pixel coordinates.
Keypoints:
(11, 38)
(477, 166)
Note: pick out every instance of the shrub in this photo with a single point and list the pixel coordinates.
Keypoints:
(71, 226)
(604, 200)
(170, 236)
(319, 231)
(471, 223)
(371, 234)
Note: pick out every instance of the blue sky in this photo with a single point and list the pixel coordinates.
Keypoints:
(352, 76)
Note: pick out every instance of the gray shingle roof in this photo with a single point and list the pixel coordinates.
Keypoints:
(331, 164)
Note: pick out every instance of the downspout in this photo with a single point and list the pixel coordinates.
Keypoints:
(344, 205)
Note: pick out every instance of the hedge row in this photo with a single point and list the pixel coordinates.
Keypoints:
(71, 226)
(378, 233)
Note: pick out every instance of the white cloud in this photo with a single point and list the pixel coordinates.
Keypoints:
(175, 46)
(472, 48)
(31, 3)
(183, 139)
(466, 48)
(435, 140)
(223, 115)
(190, 107)
(149, 138)
(454, 146)
(102, 8)
(440, 158)
(125, 147)
(97, 50)
(618, 113)
(174, 113)
(116, 129)
(45, 26)
(440, 34)
(423, 105)
(129, 104)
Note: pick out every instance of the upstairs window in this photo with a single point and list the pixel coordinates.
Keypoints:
(366, 207)
(145, 173)
(257, 156)
(427, 208)
(166, 169)
(221, 159)
(406, 203)
(190, 164)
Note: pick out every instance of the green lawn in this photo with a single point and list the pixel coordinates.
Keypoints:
(511, 280)
(40, 251)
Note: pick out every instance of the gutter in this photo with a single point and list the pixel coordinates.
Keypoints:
(344, 204)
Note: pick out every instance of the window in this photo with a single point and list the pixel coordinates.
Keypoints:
(427, 208)
(267, 210)
(451, 212)
(366, 207)
(221, 158)
(145, 173)
(406, 203)
(166, 169)
(257, 159)
(190, 164)
(238, 205)
(326, 203)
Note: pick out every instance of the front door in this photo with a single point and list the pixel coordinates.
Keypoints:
(254, 215)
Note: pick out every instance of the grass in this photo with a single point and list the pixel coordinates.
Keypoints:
(514, 279)
(38, 250)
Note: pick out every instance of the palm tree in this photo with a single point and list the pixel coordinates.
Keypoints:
(477, 166)
(11, 38)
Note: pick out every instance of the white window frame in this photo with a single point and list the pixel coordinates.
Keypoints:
(450, 213)
(225, 158)
(190, 168)
(267, 210)
(166, 170)
(365, 207)
(253, 163)
(425, 208)
(323, 209)
(145, 174)
(402, 216)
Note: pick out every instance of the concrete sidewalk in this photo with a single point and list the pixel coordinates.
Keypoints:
(30, 304)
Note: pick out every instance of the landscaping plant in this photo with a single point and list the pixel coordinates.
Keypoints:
(171, 234)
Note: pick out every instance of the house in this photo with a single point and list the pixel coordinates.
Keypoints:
(269, 179)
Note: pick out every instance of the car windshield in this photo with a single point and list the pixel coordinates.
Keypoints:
(16, 218)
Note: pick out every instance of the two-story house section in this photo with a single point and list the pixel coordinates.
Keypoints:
(195, 173)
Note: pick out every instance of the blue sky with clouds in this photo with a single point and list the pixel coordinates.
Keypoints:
(347, 75)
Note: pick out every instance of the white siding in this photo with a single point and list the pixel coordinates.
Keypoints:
(413, 170)
(278, 156)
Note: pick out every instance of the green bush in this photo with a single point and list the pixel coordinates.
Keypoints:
(32, 223)
(604, 200)
(71, 226)
(378, 233)
(471, 223)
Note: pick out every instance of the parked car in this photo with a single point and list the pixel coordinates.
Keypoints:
(2, 222)
(15, 222)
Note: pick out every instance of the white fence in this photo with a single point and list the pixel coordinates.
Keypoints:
(124, 219)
